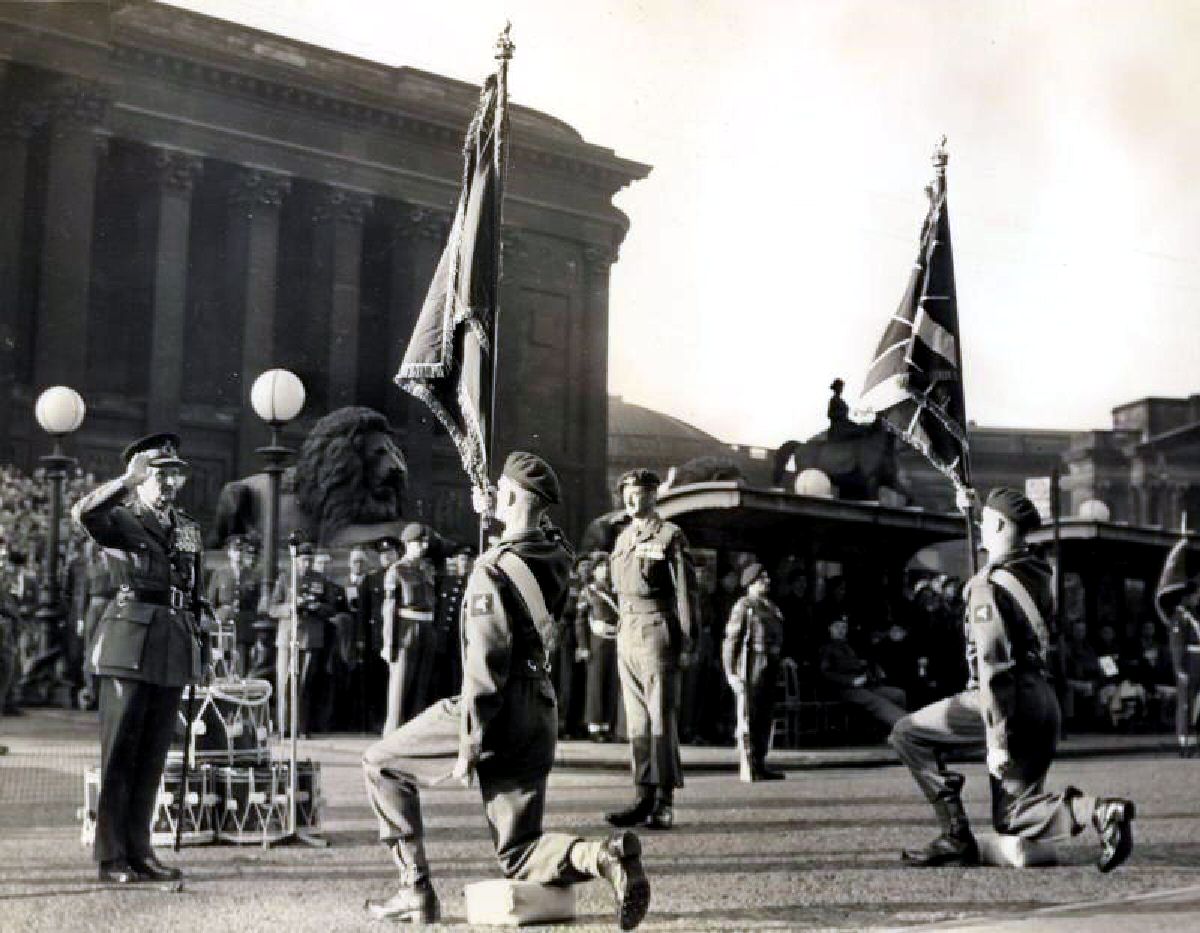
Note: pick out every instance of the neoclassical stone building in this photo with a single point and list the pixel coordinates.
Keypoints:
(188, 202)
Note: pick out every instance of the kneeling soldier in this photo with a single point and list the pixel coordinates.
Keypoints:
(1008, 708)
(504, 725)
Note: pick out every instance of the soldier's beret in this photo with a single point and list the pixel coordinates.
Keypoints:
(306, 549)
(387, 542)
(164, 445)
(639, 477)
(1016, 507)
(532, 473)
(414, 531)
(751, 573)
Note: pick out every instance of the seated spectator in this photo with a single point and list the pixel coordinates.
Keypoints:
(897, 657)
(1081, 667)
(1149, 666)
(855, 681)
(1121, 700)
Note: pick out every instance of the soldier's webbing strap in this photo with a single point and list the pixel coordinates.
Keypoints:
(527, 587)
(1008, 581)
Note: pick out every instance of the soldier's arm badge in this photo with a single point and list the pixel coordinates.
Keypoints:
(482, 604)
(982, 614)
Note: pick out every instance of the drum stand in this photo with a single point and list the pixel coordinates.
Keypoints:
(292, 833)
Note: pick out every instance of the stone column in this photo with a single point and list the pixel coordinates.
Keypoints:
(337, 242)
(597, 264)
(60, 343)
(419, 238)
(252, 245)
(17, 124)
(176, 173)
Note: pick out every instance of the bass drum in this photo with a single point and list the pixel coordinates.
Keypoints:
(198, 802)
(232, 724)
(255, 809)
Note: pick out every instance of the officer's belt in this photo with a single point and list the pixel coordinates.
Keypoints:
(172, 598)
(646, 604)
(416, 615)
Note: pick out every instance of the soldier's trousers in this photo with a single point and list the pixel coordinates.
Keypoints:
(884, 703)
(1021, 806)
(648, 663)
(422, 753)
(603, 686)
(756, 708)
(1187, 710)
(137, 723)
(409, 677)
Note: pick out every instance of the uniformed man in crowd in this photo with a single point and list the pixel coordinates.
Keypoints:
(502, 729)
(447, 669)
(409, 640)
(234, 592)
(751, 652)
(9, 620)
(1178, 601)
(317, 601)
(147, 648)
(653, 577)
(376, 669)
(1007, 709)
(596, 618)
(358, 565)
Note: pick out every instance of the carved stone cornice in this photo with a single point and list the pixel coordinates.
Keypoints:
(19, 121)
(346, 205)
(176, 169)
(598, 257)
(77, 103)
(256, 187)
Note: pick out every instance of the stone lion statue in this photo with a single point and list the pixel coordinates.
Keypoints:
(347, 485)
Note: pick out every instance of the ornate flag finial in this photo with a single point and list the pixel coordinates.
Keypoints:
(940, 158)
(504, 44)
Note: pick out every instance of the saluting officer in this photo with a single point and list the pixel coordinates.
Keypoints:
(652, 574)
(409, 639)
(147, 646)
(751, 653)
(503, 727)
(1177, 598)
(1008, 708)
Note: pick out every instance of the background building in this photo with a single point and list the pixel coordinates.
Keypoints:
(189, 202)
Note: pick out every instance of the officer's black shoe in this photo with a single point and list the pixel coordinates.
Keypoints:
(946, 851)
(632, 816)
(119, 871)
(620, 864)
(154, 870)
(1114, 819)
(661, 817)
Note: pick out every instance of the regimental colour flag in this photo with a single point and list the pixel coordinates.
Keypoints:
(915, 383)
(449, 360)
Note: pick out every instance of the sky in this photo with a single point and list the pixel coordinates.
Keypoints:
(791, 144)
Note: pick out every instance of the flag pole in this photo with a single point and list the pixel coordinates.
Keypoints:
(940, 158)
(504, 53)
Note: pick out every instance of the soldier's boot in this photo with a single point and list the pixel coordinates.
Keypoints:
(747, 772)
(1113, 820)
(632, 816)
(618, 860)
(763, 772)
(662, 815)
(956, 845)
(415, 901)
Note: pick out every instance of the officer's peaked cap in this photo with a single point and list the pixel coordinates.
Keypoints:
(532, 473)
(414, 531)
(1016, 507)
(164, 446)
(751, 573)
(640, 477)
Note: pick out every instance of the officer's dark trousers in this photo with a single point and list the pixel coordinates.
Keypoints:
(649, 667)
(421, 753)
(603, 685)
(1020, 804)
(137, 723)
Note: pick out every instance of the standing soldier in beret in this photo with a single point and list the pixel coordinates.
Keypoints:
(751, 652)
(652, 574)
(503, 727)
(147, 646)
(409, 639)
(370, 620)
(1007, 709)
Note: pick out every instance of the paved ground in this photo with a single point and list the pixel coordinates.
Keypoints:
(817, 851)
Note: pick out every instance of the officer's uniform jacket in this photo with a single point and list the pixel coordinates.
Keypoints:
(449, 607)
(234, 597)
(318, 600)
(150, 630)
(654, 580)
(509, 721)
(412, 604)
(596, 613)
(1008, 602)
(753, 637)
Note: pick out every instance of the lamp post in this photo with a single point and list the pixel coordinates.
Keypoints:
(277, 397)
(60, 411)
